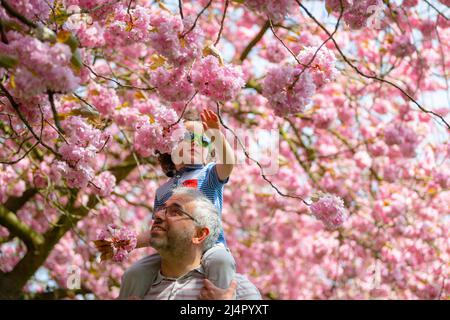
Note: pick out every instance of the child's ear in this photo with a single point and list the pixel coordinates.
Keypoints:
(200, 235)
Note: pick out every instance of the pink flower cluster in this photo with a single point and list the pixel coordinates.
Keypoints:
(123, 241)
(283, 98)
(41, 65)
(356, 12)
(442, 179)
(172, 85)
(322, 68)
(274, 52)
(79, 153)
(105, 100)
(402, 136)
(103, 8)
(33, 9)
(91, 36)
(330, 210)
(410, 3)
(402, 46)
(127, 28)
(216, 81)
(10, 183)
(104, 183)
(152, 133)
(274, 9)
(324, 117)
(290, 88)
(168, 40)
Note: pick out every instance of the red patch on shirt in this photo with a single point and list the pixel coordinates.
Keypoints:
(193, 183)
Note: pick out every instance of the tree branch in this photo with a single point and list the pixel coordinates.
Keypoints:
(221, 23)
(12, 12)
(25, 122)
(254, 41)
(15, 203)
(13, 282)
(196, 19)
(30, 237)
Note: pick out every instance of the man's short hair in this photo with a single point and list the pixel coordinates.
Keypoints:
(205, 214)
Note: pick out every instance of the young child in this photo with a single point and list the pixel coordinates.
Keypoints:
(190, 171)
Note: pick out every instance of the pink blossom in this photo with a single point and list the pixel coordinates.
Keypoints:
(275, 9)
(410, 3)
(275, 52)
(322, 67)
(221, 83)
(402, 46)
(324, 117)
(172, 85)
(104, 99)
(107, 213)
(42, 66)
(403, 136)
(91, 36)
(152, 132)
(170, 40)
(33, 9)
(103, 8)
(330, 210)
(104, 183)
(442, 179)
(283, 99)
(129, 26)
(356, 13)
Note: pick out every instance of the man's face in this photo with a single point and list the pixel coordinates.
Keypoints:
(194, 147)
(175, 229)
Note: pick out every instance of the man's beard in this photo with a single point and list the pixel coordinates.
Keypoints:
(173, 243)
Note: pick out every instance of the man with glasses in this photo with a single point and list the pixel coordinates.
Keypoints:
(184, 229)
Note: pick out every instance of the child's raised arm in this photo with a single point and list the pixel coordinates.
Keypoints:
(225, 155)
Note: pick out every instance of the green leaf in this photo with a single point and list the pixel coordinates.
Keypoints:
(68, 38)
(60, 16)
(8, 61)
(76, 60)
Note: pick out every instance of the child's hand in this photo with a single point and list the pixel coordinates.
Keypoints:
(211, 292)
(209, 120)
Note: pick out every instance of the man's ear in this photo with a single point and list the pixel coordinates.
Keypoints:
(200, 235)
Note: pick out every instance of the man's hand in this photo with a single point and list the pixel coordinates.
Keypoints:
(105, 248)
(211, 292)
(209, 120)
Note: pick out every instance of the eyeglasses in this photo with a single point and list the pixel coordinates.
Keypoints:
(173, 211)
(201, 139)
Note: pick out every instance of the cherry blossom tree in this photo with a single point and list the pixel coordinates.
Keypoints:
(357, 90)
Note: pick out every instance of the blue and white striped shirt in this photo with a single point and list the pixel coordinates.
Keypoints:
(204, 178)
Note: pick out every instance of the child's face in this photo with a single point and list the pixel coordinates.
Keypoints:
(194, 148)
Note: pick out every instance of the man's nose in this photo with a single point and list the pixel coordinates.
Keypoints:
(158, 216)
